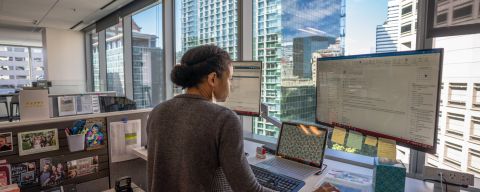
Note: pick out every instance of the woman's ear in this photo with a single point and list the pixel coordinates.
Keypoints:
(212, 78)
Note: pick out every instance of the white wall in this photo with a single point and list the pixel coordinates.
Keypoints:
(20, 37)
(65, 60)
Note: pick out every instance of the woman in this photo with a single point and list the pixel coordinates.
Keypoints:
(193, 143)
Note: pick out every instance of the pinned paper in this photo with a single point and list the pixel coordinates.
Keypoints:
(387, 148)
(354, 140)
(338, 135)
(369, 140)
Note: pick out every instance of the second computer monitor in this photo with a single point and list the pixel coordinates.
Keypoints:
(244, 96)
(389, 95)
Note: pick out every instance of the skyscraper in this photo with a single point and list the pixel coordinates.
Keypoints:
(388, 33)
(303, 47)
(276, 24)
(19, 66)
(209, 22)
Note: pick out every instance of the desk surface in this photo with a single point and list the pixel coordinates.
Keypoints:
(312, 181)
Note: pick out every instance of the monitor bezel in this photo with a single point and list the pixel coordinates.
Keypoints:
(252, 113)
(299, 161)
(402, 142)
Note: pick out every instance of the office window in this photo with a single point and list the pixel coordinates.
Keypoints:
(455, 124)
(114, 58)
(457, 94)
(475, 129)
(476, 96)
(406, 29)
(442, 18)
(474, 162)
(147, 57)
(38, 67)
(407, 10)
(453, 153)
(189, 21)
(460, 70)
(94, 59)
(17, 69)
(462, 12)
(290, 35)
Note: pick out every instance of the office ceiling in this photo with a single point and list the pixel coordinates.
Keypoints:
(61, 14)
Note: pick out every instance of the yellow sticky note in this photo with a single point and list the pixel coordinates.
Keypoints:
(387, 148)
(338, 135)
(369, 140)
(354, 140)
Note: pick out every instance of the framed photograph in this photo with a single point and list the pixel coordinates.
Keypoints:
(37, 141)
(81, 167)
(66, 105)
(52, 172)
(95, 135)
(6, 143)
(25, 174)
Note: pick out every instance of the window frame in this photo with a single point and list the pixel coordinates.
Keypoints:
(245, 52)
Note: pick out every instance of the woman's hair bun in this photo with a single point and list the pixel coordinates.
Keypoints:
(181, 75)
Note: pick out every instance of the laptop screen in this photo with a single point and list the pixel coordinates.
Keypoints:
(302, 143)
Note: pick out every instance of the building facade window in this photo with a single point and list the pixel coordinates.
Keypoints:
(18, 69)
(94, 60)
(147, 57)
(457, 94)
(476, 96)
(452, 154)
(475, 129)
(200, 22)
(461, 76)
(114, 58)
(455, 124)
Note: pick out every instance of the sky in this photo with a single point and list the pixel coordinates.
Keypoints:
(362, 17)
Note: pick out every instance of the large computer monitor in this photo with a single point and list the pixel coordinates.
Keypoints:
(244, 96)
(390, 95)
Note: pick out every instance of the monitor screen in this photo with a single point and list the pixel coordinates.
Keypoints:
(302, 143)
(244, 96)
(390, 95)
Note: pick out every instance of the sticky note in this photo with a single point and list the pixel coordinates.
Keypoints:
(387, 148)
(338, 135)
(369, 140)
(354, 140)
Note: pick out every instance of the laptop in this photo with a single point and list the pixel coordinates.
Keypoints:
(300, 151)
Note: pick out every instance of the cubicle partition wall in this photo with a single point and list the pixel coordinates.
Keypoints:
(107, 172)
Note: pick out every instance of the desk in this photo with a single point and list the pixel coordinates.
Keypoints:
(134, 187)
(141, 152)
(312, 181)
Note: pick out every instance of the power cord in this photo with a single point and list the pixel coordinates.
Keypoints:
(322, 169)
(445, 181)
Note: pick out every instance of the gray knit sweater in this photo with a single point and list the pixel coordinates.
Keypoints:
(194, 145)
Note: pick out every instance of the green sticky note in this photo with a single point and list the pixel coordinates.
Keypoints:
(355, 140)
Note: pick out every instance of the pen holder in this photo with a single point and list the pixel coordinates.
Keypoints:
(76, 142)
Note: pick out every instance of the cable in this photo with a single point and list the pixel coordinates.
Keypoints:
(444, 180)
(441, 181)
(322, 169)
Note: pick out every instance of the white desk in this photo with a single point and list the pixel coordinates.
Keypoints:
(310, 183)
(141, 152)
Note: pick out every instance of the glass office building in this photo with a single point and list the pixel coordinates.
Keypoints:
(209, 22)
(19, 67)
(286, 36)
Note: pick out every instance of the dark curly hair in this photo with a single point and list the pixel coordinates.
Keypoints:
(197, 63)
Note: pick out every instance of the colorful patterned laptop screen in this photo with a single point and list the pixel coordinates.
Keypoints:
(304, 143)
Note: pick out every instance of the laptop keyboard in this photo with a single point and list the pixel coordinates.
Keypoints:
(290, 168)
(275, 181)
